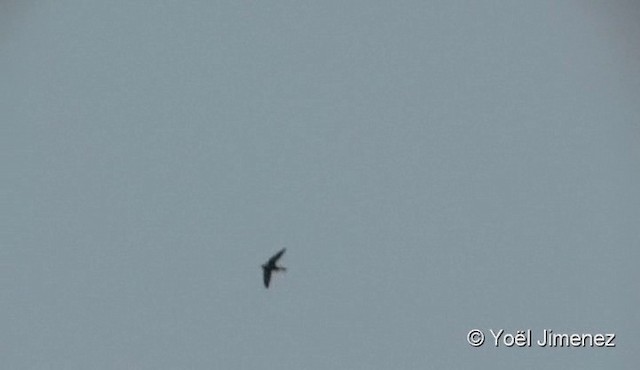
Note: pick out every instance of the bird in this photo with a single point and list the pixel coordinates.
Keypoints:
(271, 266)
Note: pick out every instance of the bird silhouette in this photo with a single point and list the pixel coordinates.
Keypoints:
(271, 266)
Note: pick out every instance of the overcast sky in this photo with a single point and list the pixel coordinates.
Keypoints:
(432, 167)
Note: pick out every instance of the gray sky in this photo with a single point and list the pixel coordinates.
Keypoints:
(432, 168)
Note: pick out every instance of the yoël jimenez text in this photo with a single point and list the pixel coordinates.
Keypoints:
(523, 338)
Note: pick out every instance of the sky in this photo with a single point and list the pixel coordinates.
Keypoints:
(431, 167)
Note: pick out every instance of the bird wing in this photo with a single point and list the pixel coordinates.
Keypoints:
(266, 276)
(276, 256)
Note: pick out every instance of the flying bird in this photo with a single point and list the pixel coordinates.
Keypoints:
(271, 266)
